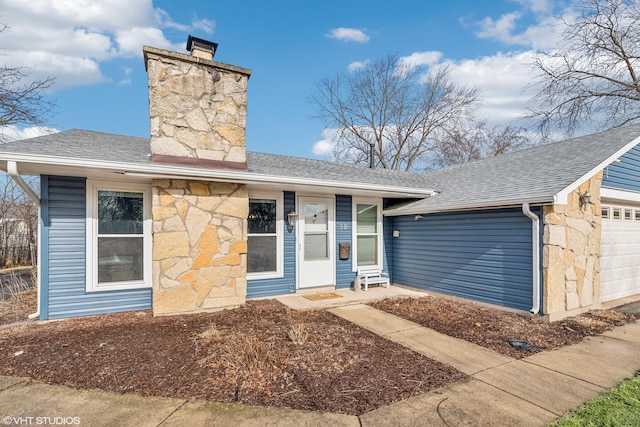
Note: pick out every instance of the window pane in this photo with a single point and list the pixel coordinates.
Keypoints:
(120, 259)
(120, 212)
(367, 218)
(315, 247)
(316, 217)
(261, 254)
(367, 250)
(262, 216)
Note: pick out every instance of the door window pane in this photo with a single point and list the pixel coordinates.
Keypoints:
(316, 217)
(316, 247)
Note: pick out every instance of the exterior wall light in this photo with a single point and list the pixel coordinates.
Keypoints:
(585, 199)
(292, 216)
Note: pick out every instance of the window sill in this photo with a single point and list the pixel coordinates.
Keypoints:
(261, 276)
(118, 287)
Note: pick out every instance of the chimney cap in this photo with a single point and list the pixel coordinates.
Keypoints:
(202, 44)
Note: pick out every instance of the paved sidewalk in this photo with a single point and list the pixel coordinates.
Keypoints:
(500, 391)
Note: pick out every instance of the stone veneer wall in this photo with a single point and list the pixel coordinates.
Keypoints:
(571, 253)
(198, 111)
(199, 245)
(198, 107)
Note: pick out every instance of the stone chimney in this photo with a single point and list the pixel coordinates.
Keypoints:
(198, 111)
(198, 107)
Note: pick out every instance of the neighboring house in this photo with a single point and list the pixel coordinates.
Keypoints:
(190, 221)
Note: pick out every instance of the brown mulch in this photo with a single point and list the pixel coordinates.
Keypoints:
(257, 354)
(493, 328)
(267, 354)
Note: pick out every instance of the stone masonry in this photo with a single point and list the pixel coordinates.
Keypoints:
(571, 253)
(199, 246)
(198, 111)
(198, 108)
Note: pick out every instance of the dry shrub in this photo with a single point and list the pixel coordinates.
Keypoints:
(298, 334)
(18, 298)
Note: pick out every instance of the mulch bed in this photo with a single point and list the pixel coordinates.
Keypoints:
(493, 328)
(257, 354)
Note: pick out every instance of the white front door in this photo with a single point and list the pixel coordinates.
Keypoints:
(315, 237)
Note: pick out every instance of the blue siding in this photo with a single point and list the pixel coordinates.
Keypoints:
(624, 175)
(63, 292)
(286, 284)
(344, 270)
(481, 255)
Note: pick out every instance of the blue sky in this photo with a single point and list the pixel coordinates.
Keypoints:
(93, 48)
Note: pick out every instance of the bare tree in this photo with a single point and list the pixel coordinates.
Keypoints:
(18, 225)
(475, 143)
(591, 79)
(397, 107)
(22, 102)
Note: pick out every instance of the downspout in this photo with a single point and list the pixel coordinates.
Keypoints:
(12, 170)
(535, 240)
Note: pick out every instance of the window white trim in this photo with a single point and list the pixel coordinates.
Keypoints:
(279, 273)
(354, 230)
(92, 235)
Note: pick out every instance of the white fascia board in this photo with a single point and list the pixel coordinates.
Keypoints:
(613, 194)
(164, 171)
(501, 204)
(561, 198)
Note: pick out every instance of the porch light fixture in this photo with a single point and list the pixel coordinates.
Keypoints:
(292, 216)
(585, 199)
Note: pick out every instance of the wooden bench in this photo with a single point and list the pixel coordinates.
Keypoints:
(371, 276)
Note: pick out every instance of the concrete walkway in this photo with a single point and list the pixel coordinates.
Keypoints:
(500, 391)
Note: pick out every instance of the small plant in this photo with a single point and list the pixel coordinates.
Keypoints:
(17, 298)
(298, 334)
(248, 354)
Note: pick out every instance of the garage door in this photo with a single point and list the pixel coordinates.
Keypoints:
(620, 252)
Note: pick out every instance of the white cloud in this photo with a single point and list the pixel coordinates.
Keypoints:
(500, 29)
(416, 59)
(204, 24)
(536, 25)
(358, 65)
(348, 35)
(70, 39)
(12, 133)
(323, 148)
(502, 80)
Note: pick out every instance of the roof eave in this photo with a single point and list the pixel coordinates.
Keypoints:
(163, 171)
(561, 198)
(491, 204)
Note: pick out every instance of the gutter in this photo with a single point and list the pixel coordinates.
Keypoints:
(12, 170)
(535, 239)
(162, 171)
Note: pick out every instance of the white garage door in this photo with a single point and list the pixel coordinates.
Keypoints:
(620, 252)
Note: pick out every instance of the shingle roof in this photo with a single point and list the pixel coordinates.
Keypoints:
(104, 147)
(533, 175)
